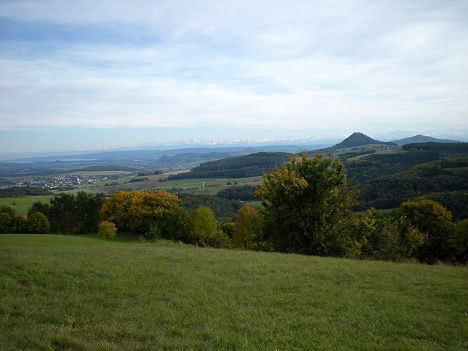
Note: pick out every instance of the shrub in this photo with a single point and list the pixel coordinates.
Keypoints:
(154, 233)
(384, 237)
(248, 228)
(37, 223)
(228, 229)
(435, 221)
(203, 227)
(6, 222)
(8, 210)
(107, 230)
(460, 242)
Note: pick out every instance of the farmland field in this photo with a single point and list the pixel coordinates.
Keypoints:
(196, 186)
(83, 293)
(208, 186)
(21, 205)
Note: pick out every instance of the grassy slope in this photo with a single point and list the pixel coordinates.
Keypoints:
(22, 204)
(82, 293)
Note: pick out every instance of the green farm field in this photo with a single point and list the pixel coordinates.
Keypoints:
(197, 186)
(83, 293)
(21, 205)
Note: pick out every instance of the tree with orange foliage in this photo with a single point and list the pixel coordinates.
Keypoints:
(137, 212)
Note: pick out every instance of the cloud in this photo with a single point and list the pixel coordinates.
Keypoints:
(235, 63)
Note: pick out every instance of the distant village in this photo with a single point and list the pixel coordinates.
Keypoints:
(58, 181)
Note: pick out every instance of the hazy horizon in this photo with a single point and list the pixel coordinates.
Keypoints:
(87, 75)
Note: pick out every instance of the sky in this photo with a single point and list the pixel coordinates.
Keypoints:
(78, 75)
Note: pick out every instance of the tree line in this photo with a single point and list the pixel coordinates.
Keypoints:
(306, 209)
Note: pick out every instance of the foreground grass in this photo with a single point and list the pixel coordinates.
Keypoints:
(83, 293)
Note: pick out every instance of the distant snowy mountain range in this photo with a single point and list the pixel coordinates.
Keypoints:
(287, 144)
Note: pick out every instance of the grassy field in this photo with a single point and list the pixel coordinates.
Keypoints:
(197, 186)
(83, 293)
(21, 205)
(208, 186)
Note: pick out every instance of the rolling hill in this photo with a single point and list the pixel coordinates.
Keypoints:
(68, 292)
(258, 163)
(421, 139)
(237, 167)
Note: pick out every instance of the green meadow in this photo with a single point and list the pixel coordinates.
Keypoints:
(83, 293)
(21, 205)
(207, 186)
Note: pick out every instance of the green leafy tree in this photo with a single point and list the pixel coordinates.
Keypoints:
(38, 223)
(107, 230)
(435, 221)
(6, 223)
(460, 242)
(248, 228)
(175, 224)
(228, 229)
(384, 237)
(8, 210)
(203, 227)
(304, 202)
(72, 213)
(20, 224)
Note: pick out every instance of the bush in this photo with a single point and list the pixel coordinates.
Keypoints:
(107, 229)
(175, 224)
(6, 223)
(203, 229)
(37, 223)
(20, 224)
(228, 229)
(435, 222)
(248, 229)
(384, 237)
(154, 233)
(460, 242)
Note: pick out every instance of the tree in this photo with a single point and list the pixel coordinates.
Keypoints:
(8, 210)
(384, 237)
(69, 213)
(6, 223)
(460, 242)
(139, 211)
(435, 221)
(303, 204)
(203, 226)
(247, 228)
(107, 230)
(20, 224)
(38, 223)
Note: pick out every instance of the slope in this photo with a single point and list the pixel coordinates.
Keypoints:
(421, 139)
(83, 293)
(237, 167)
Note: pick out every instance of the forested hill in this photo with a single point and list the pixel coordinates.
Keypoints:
(422, 139)
(429, 170)
(378, 165)
(258, 163)
(238, 167)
